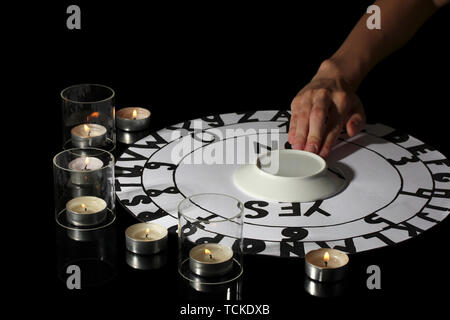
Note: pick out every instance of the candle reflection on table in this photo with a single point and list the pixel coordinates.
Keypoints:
(145, 262)
(325, 289)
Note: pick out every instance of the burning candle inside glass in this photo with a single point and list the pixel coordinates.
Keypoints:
(85, 170)
(88, 135)
(85, 164)
(86, 211)
(211, 259)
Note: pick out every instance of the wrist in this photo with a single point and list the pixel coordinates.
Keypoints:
(347, 75)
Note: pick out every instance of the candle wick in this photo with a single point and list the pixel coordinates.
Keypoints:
(210, 256)
(89, 133)
(326, 263)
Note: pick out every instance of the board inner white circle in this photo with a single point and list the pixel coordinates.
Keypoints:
(373, 190)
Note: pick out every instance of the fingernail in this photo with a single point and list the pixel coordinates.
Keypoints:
(323, 153)
(298, 146)
(311, 148)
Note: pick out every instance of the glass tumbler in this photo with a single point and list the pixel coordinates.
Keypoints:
(210, 239)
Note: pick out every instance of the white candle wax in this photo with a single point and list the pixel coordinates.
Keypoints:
(88, 130)
(84, 170)
(336, 258)
(147, 232)
(85, 164)
(133, 113)
(86, 205)
(218, 253)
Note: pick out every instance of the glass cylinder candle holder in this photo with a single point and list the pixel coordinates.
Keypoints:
(84, 188)
(210, 239)
(88, 117)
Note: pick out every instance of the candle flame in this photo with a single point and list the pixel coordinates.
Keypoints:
(326, 256)
(134, 114)
(86, 161)
(147, 231)
(86, 128)
(207, 251)
(83, 206)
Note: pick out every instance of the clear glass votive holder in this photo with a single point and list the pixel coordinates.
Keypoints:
(84, 188)
(210, 239)
(88, 114)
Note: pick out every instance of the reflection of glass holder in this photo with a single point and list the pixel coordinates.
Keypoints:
(210, 240)
(108, 145)
(84, 189)
(90, 235)
(88, 115)
(96, 272)
(63, 221)
(199, 291)
(95, 254)
(220, 286)
(205, 283)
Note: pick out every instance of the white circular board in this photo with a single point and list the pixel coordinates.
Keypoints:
(397, 187)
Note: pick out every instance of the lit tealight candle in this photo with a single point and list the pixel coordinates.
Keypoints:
(84, 170)
(146, 238)
(211, 260)
(88, 135)
(326, 264)
(132, 119)
(85, 164)
(86, 211)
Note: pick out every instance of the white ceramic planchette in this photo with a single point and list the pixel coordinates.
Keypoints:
(288, 176)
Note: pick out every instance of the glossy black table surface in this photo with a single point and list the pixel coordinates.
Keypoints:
(183, 62)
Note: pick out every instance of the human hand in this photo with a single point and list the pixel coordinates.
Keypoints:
(320, 111)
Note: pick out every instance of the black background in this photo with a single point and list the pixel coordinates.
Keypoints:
(184, 61)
